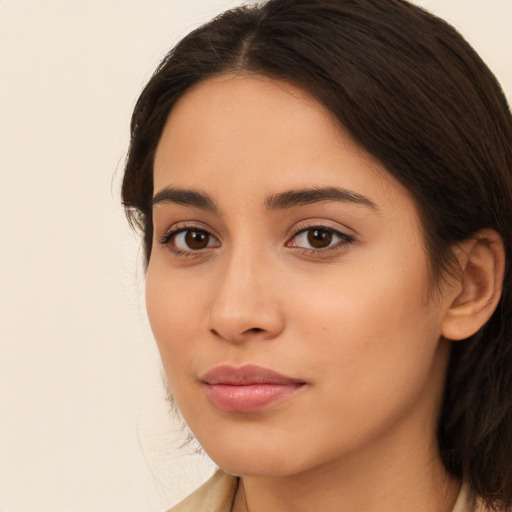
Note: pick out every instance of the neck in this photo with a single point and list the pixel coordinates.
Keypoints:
(407, 478)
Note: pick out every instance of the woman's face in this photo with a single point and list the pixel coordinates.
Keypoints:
(288, 286)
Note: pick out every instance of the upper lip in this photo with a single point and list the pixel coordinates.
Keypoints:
(245, 376)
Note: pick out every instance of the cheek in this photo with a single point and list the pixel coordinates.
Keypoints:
(369, 328)
(175, 316)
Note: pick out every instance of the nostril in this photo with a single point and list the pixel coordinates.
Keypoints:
(237, 335)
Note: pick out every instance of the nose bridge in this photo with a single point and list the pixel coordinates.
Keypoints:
(244, 302)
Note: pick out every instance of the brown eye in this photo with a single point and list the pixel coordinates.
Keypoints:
(319, 238)
(196, 240)
(189, 240)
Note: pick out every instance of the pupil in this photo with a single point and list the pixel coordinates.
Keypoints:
(319, 239)
(196, 239)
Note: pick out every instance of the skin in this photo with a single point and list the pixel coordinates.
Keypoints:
(355, 321)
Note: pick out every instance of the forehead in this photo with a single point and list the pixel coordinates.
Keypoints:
(251, 135)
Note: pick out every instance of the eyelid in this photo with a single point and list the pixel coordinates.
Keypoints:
(183, 225)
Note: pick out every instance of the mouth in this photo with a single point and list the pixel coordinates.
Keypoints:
(248, 389)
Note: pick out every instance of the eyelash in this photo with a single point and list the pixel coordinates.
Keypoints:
(344, 240)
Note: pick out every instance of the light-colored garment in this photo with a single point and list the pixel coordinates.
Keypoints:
(215, 495)
(218, 495)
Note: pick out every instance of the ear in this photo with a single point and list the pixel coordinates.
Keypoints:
(478, 287)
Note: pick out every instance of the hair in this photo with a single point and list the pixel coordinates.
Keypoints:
(413, 93)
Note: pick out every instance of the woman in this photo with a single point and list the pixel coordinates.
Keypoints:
(324, 191)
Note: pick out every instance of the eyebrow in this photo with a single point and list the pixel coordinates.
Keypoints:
(281, 201)
(303, 197)
(184, 197)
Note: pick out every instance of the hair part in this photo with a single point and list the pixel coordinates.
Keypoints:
(413, 93)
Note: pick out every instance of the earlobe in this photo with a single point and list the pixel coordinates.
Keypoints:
(482, 263)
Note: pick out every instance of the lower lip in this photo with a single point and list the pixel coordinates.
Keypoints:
(249, 398)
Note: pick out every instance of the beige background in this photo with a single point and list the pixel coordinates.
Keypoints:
(83, 421)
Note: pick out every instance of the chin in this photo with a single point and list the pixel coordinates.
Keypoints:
(257, 455)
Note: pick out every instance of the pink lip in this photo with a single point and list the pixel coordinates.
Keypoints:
(247, 389)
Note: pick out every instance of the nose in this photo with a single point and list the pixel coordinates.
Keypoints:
(245, 302)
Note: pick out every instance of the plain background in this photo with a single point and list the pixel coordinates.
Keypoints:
(84, 425)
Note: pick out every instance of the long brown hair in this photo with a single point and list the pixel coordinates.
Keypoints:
(413, 93)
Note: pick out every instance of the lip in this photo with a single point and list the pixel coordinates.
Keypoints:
(247, 389)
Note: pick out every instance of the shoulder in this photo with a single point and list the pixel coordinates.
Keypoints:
(466, 502)
(215, 495)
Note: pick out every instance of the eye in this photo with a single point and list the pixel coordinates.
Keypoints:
(189, 240)
(319, 238)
